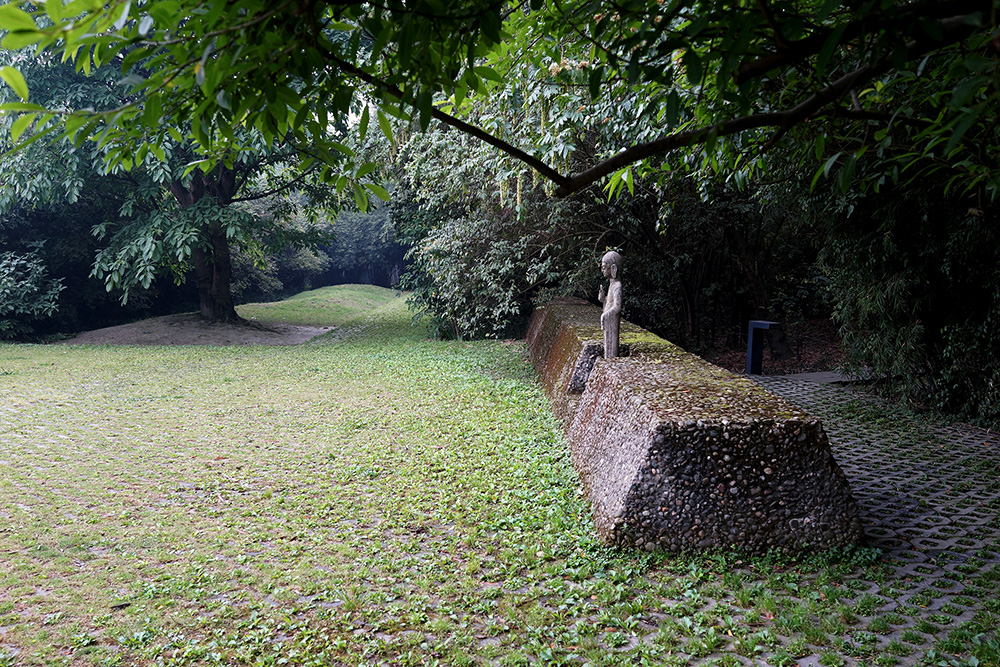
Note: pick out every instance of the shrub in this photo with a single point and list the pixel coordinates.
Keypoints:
(26, 294)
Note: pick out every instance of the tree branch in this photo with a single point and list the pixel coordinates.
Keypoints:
(801, 49)
(955, 29)
(274, 191)
(862, 114)
(515, 152)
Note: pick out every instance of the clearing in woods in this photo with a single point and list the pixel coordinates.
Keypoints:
(376, 497)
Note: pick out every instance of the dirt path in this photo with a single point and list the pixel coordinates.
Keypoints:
(189, 329)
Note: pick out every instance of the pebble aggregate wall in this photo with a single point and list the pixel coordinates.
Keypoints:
(675, 453)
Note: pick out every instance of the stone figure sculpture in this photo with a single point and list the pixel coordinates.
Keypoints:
(611, 268)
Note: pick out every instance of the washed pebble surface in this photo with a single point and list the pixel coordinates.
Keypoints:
(677, 454)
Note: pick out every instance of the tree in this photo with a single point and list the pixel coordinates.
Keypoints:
(876, 95)
(709, 70)
(156, 218)
(364, 249)
(487, 241)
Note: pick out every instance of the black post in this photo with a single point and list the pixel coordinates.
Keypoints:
(755, 345)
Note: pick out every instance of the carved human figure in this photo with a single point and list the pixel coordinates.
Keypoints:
(611, 268)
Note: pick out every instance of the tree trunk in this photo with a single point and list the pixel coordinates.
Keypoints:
(221, 294)
(213, 264)
(203, 275)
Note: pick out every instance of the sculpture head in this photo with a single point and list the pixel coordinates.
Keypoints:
(611, 265)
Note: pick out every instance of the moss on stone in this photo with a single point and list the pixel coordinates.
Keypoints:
(675, 384)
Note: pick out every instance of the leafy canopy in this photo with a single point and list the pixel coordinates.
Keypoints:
(286, 70)
(709, 70)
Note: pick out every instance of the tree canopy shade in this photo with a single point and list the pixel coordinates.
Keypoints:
(151, 219)
(709, 69)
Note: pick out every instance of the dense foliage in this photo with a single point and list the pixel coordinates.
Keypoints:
(26, 293)
(917, 288)
(704, 69)
(702, 257)
(68, 254)
(152, 220)
(364, 249)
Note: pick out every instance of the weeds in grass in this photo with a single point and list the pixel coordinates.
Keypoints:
(372, 497)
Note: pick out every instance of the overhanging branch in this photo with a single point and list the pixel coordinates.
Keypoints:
(515, 152)
(955, 29)
(273, 191)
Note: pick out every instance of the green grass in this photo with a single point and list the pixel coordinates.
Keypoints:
(372, 497)
(327, 306)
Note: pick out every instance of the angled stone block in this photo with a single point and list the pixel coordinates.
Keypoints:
(676, 453)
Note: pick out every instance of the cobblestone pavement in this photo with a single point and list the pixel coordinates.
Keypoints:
(929, 497)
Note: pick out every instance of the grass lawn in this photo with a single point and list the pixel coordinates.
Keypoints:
(327, 306)
(371, 497)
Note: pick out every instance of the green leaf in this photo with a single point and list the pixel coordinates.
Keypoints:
(15, 81)
(379, 191)
(615, 183)
(633, 68)
(18, 127)
(968, 120)
(21, 106)
(977, 62)
(423, 104)
(13, 19)
(847, 173)
(301, 116)
(36, 135)
(829, 164)
(964, 91)
(820, 146)
(153, 111)
(699, 24)
(54, 10)
(488, 73)
(827, 9)
(341, 148)
(594, 82)
(673, 108)
(816, 177)
(383, 123)
(164, 12)
(490, 23)
(18, 40)
(360, 198)
(363, 124)
(692, 66)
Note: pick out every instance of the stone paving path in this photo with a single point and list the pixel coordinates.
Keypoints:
(929, 497)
